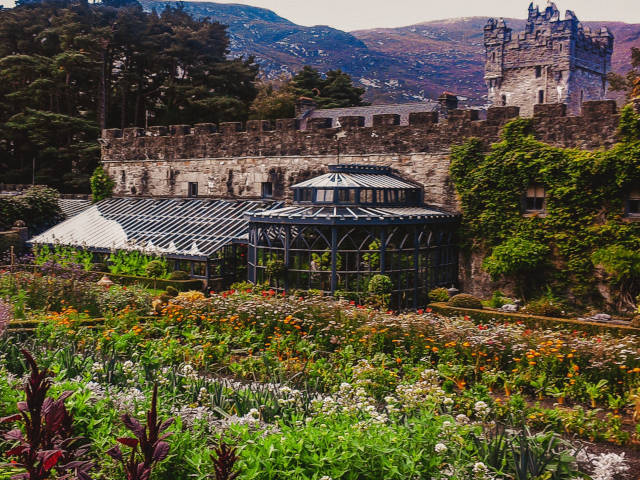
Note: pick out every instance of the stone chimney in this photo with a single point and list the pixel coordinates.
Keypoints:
(448, 101)
(304, 106)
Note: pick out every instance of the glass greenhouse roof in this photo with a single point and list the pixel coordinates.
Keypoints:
(189, 228)
(350, 215)
(356, 176)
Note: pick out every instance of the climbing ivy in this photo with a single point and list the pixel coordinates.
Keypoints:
(584, 207)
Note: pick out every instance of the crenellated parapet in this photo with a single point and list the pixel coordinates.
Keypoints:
(596, 127)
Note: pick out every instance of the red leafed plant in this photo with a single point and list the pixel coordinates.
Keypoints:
(147, 445)
(224, 461)
(47, 448)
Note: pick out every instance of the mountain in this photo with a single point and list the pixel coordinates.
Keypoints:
(394, 64)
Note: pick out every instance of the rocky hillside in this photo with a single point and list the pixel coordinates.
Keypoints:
(394, 64)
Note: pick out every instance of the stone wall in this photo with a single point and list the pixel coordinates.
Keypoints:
(229, 163)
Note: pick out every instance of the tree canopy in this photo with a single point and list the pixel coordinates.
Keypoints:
(69, 69)
(334, 89)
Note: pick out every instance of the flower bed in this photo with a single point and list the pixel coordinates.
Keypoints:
(536, 321)
(310, 388)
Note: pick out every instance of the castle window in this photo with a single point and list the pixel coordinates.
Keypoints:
(493, 57)
(192, 190)
(267, 190)
(538, 71)
(504, 100)
(540, 96)
(534, 199)
(633, 205)
(123, 176)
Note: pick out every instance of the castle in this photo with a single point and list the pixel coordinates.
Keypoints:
(204, 183)
(552, 61)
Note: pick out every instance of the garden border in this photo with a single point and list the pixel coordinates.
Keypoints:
(536, 321)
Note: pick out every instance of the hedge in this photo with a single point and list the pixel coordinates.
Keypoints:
(155, 283)
(535, 321)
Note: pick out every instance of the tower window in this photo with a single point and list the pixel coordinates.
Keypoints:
(123, 176)
(504, 100)
(538, 71)
(633, 205)
(493, 57)
(192, 190)
(540, 96)
(534, 198)
(267, 190)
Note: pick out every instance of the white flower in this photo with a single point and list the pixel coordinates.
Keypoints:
(608, 465)
(482, 408)
(440, 448)
(326, 477)
(462, 419)
(447, 401)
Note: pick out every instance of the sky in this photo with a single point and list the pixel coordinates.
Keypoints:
(364, 14)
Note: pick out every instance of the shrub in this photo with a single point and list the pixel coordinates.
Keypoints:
(98, 267)
(464, 300)
(546, 307)
(440, 294)
(190, 296)
(37, 207)
(101, 184)
(275, 269)
(179, 275)
(515, 256)
(154, 269)
(6, 315)
(380, 285)
(498, 299)
(172, 291)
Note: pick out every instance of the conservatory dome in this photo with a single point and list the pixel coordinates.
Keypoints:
(346, 226)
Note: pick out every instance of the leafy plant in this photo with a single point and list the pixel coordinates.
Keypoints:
(179, 275)
(440, 294)
(224, 462)
(47, 443)
(101, 184)
(148, 447)
(155, 268)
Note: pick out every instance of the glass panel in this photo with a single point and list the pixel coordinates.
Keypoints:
(324, 195)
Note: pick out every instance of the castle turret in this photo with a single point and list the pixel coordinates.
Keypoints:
(551, 61)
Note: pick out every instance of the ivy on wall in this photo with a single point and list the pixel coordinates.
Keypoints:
(584, 207)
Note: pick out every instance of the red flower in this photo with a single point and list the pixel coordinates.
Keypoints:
(232, 291)
(211, 292)
(429, 310)
(352, 302)
(420, 311)
(466, 317)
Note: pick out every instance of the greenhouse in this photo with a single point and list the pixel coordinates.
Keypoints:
(349, 225)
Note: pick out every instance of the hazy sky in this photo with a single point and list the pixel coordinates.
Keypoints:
(359, 14)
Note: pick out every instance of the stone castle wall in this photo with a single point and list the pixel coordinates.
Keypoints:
(229, 163)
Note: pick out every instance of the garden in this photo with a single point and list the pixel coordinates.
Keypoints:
(125, 382)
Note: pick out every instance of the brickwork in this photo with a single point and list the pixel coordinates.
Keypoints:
(552, 61)
(229, 163)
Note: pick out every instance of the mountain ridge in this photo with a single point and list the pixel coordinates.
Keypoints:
(394, 64)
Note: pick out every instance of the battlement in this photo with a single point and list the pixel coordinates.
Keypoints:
(595, 128)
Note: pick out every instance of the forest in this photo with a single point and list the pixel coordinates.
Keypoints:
(69, 69)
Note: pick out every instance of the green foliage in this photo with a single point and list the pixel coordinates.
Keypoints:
(172, 291)
(333, 90)
(179, 275)
(63, 255)
(156, 268)
(69, 69)
(547, 307)
(380, 285)
(135, 263)
(584, 208)
(464, 300)
(498, 299)
(37, 207)
(275, 269)
(101, 184)
(516, 256)
(623, 267)
(372, 257)
(273, 103)
(440, 294)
